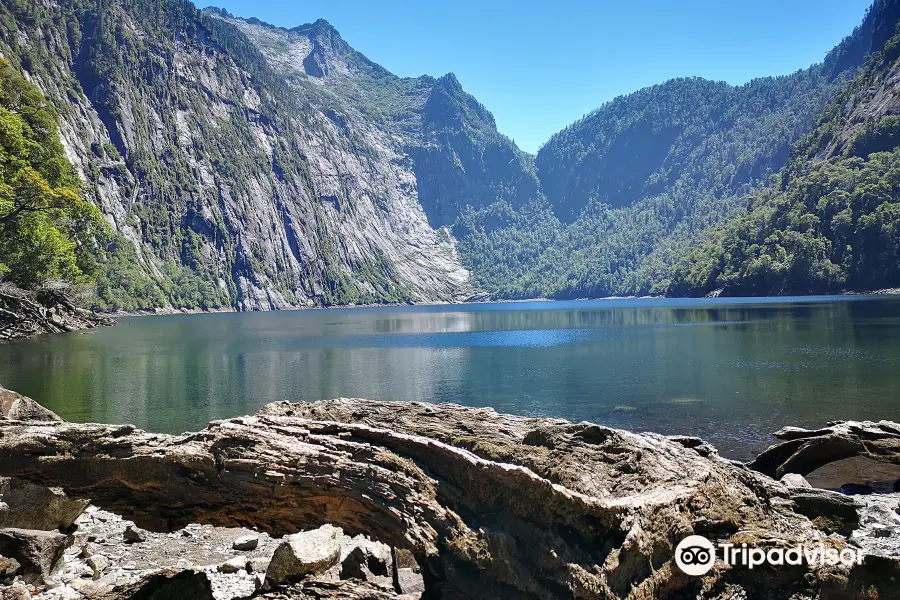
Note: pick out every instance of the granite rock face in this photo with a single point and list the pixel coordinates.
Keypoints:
(489, 505)
(261, 168)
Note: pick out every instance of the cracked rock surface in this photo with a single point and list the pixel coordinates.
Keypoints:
(486, 505)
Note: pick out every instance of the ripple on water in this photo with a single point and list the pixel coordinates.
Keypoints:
(772, 365)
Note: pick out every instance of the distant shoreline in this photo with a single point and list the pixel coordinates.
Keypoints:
(229, 309)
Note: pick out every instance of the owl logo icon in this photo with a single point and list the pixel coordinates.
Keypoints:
(695, 555)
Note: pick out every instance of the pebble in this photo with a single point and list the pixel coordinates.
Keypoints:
(245, 542)
(233, 565)
(134, 534)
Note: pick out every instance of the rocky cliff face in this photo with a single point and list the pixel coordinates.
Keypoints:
(458, 157)
(235, 170)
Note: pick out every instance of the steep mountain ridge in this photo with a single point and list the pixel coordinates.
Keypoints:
(459, 157)
(632, 186)
(224, 185)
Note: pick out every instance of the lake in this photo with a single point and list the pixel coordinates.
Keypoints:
(729, 371)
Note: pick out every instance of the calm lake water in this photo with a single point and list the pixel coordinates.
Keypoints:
(730, 371)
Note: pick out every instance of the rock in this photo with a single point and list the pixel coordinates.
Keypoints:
(17, 407)
(134, 535)
(258, 564)
(410, 583)
(803, 451)
(829, 511)
(233, 565)
(316, 589)
(259, 581)
(90, 588)
(878, 515)
(15, 592)
(38, 552)
(169, 584)
(362, 558)
(305, 553)
(795, 480)
(490, 506)
(8, 567)
(246, 543)
(98, 563)
(404, 559)
(29, 506)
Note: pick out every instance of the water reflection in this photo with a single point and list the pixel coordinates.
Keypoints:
(729, 372)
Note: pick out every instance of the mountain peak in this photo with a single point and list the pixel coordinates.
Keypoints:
(450, 83)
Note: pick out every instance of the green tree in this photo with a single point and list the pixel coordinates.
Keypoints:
(46, 229)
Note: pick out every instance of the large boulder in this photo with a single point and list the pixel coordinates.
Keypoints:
(491, 506)
(38, 552)
(17, 407)
(305, 553)
(802, 451)
(28, 506)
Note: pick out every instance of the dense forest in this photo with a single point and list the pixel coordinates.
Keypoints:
(632, 186)
(831, 221)
(210, 167)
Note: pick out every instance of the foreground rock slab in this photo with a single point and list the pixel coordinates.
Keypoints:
(490, 506)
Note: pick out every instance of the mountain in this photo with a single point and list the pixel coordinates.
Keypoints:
(243, 165)
(831, 220)
(458, 157)
(632, 185)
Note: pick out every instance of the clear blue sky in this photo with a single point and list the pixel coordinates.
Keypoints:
(539, 65)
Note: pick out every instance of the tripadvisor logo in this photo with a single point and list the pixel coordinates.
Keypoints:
(695, 555)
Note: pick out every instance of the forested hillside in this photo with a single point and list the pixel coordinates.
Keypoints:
(831, 221)
(47, 231)
(244, 165)
(631, 186)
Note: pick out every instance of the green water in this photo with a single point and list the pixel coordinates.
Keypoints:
(728, 371)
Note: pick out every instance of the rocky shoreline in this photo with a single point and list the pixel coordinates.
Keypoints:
(356, 499)
(24, 314)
